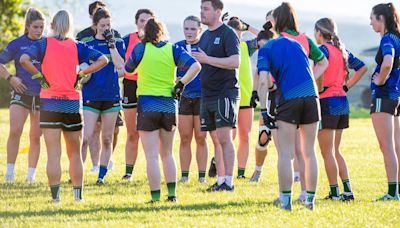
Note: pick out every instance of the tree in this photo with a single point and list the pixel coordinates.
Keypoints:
(12, 14)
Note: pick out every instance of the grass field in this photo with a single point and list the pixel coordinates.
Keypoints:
(119, 203)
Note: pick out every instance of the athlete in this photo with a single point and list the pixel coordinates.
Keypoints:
(189, 108)
(60, 56)
(262, 143)
(385, 109)
(94, 144)
(129, 101)
(156, 118)
(220, 59)
(24, 96)
(246, 113)
(334, 104)
(288, 27)
(100, 94)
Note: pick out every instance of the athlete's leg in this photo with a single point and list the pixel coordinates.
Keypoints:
(201, 147)
(90, 120)
(308, 135)
(151, 146)
(169, 167)
(326, 139)
(18, 116)
(34, 144)
(52, 139)
(95, 146)
(185, 128)
(132, 140)
(245, 121)
(228, 152)
(108, 120)
(384, 129)
(73, 144)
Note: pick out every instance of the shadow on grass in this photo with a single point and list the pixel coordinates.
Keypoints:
(145, 207)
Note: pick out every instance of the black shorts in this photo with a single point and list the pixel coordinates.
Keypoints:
(272, 103)
(118, 123)
(299, 111)
(189, 106)
(102, 106)
(65, 121)
(129, 98)
(26, 101)
(218, 113)
(385, 105)
(334, 122)
(151, 121)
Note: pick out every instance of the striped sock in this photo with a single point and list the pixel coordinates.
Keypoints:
(310, 197)
(102, 171)
(55, 191)
(78, 193)
(202, 174)
(392, 189)
(171, 189)
(155, 195)
(346, 185)
(335, 190)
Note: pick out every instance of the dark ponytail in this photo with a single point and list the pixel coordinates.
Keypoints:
(391, 16)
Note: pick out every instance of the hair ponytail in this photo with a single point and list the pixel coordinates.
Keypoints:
(328, 29)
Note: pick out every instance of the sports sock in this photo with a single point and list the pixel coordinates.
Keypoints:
(220, 180)
(346, 185)
(335, 190)
(202, 174)
(55, 191)
(128, 169)
(10, 169)
(285, 198)
(171, 189)
(259, 168)
(241, 171)
(102, 172)
(185, 173)
(155, 195)
(392, 188)
(31, 173)
(310, 197)
(78, 193)
(229, 181)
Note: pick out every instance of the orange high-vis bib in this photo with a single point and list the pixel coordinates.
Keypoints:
(133, 41)
(301, 39)
(59, 67)
(335, 74)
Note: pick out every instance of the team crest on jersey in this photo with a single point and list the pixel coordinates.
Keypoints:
(217, 40)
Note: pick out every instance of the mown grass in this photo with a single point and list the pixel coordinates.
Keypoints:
(119, 203)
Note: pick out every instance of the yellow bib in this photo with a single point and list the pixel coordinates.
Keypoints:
(245, 75)
(157, 71)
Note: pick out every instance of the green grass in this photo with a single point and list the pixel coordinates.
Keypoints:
(119, 203)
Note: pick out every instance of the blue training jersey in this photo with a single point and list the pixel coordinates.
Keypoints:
(287, 61)
(152, 103)
(193, 89)
(104, 84)
(13, 51)
(390, 45)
